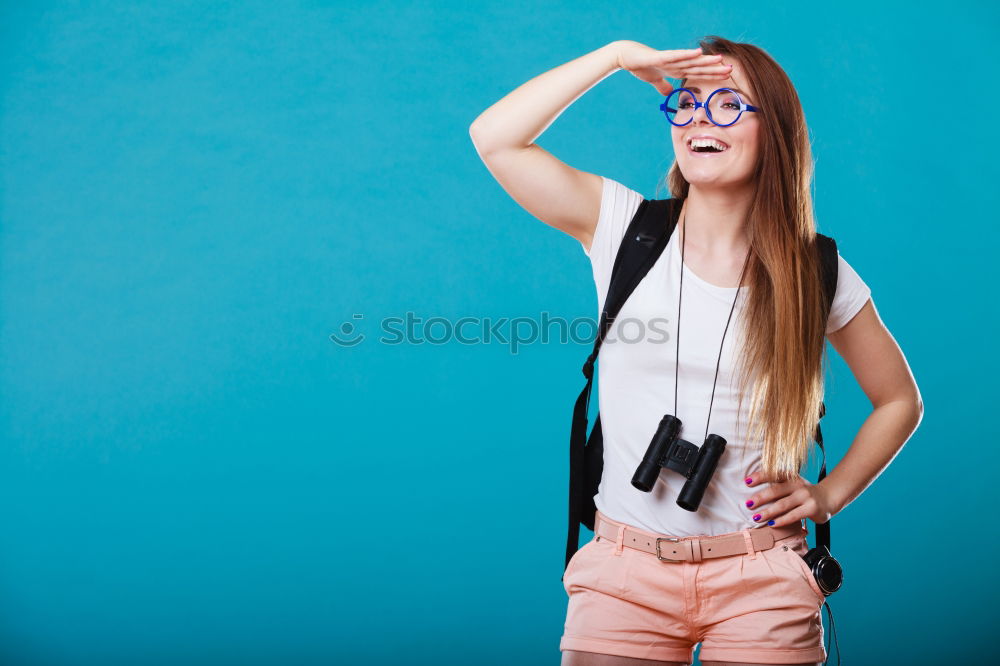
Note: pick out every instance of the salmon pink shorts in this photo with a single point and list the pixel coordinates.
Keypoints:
(762, 607)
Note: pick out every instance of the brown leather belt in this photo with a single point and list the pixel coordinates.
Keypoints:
(696, 549)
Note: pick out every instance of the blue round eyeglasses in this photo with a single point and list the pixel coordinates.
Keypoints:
(723, 107)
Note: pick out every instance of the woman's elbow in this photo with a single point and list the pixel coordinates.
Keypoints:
(909, 406)
(915, 404)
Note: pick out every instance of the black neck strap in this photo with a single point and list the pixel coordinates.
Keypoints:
(677, 353)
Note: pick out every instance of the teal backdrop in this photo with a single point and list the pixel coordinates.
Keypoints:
(197, 195)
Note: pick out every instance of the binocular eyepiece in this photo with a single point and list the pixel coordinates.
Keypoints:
(668, 450)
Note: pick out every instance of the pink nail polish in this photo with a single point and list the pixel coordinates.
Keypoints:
(749, 481)
(756, 516)
(749, 503)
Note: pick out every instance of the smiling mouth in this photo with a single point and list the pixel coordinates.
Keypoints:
(706, 147)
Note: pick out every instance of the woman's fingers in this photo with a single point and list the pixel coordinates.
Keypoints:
(697, 67)
(698, 60)
(673, 59)
(674, 55)
(707, 62)
(711, 69)
(652, 66)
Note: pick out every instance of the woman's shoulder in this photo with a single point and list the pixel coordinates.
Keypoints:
(851, 295)
(618, 205)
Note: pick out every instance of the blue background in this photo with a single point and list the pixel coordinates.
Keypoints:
(196, 195)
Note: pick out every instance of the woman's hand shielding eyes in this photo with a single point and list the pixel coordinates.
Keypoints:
(649, 65)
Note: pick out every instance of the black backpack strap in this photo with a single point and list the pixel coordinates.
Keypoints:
(829, 264)
(643, 243)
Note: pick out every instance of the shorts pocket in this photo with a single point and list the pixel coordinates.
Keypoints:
(584, 561)
(793, 553)
(575, 559)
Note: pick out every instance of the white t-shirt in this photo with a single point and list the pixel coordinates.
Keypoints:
(636, 381)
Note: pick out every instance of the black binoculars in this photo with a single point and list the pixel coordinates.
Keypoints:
(694, 464)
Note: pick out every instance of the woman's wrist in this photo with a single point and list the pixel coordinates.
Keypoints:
(614, 49)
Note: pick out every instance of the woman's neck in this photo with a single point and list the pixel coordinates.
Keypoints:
(713, 221)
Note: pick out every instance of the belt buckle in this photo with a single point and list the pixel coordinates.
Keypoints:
(660, 557)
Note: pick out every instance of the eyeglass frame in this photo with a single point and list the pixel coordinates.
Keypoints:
(708, 112)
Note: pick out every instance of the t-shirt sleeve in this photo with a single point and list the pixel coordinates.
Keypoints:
(852, 294)
(618, 207)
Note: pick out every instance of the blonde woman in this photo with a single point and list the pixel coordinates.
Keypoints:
(740, 287)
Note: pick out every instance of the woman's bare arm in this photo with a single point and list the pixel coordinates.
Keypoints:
(559, 195)
(881, 370)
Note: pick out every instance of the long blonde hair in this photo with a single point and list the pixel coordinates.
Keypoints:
(783, 351)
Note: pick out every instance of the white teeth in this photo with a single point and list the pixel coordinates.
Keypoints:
(702, 143)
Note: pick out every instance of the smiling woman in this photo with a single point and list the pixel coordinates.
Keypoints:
(738, 257)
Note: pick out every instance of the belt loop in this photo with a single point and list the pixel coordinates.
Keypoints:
(749, 541)
(620, 541)
(695, 550)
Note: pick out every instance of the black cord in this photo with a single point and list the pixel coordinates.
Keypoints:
(718, 361)
(833, 628)
(680, 295)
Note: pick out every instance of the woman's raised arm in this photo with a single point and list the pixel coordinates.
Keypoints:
(504, 134)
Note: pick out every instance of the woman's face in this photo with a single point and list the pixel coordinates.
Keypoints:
(735, 165)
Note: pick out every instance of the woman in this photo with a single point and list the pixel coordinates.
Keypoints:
(750, 325)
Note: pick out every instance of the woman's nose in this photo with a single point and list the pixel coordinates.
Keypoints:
(701, 115)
